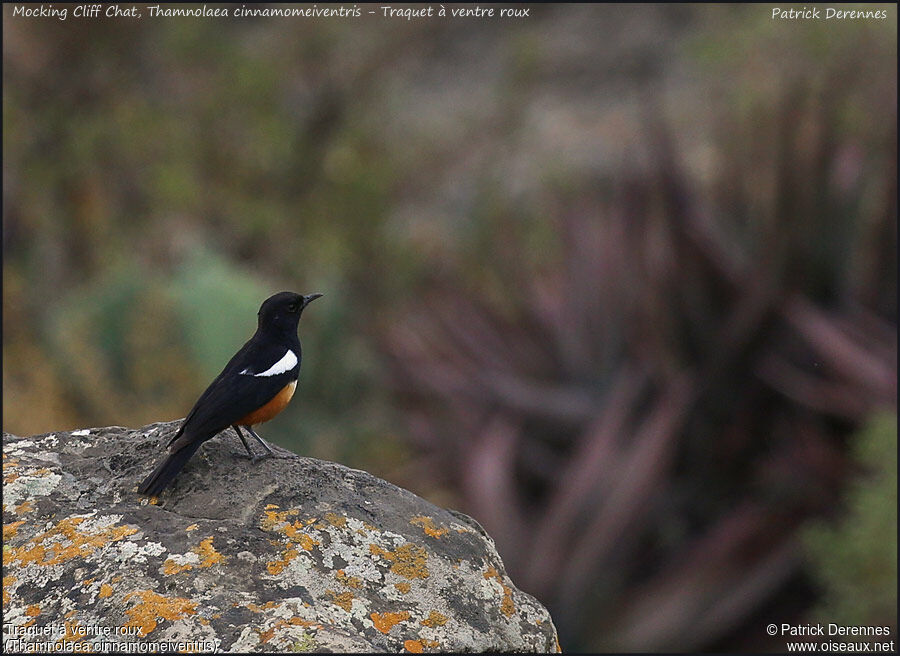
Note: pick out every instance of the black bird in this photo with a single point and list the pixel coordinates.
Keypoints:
(256, 384)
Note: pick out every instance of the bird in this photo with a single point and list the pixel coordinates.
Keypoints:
(255, 385)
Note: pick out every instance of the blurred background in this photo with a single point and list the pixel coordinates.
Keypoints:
(618, 281)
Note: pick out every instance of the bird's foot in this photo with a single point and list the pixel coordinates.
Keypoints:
(281, 454)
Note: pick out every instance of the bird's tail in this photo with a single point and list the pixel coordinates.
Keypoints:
(167, 470)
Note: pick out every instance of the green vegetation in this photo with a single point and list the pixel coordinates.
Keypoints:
(854, 557)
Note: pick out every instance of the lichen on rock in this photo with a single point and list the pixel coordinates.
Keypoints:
(288, 554)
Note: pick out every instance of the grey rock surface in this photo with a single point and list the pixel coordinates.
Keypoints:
(286, 554)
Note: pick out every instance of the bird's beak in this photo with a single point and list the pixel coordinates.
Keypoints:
(310, 298)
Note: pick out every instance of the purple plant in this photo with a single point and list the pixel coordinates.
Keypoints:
(645, 419)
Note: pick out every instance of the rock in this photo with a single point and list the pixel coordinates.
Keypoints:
(286, 554)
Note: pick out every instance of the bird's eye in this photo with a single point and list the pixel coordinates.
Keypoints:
(293, 307)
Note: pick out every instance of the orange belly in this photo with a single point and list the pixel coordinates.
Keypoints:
(270, 409)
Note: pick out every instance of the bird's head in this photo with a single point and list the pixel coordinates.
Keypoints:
(282, 311)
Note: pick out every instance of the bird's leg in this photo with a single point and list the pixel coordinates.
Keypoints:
(237, 430)
(260, 440)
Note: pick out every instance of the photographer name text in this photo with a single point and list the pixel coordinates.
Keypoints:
(829, 13)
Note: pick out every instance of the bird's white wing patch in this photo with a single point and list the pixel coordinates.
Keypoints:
(286, 363)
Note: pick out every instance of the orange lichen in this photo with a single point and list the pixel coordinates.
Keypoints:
(427, 524)
(9, 464)
(87, 582)
(170, 567)
(7, 583)
(409, 560)
(344, 600)
(293, 531)
(299, 621)
(507, 606)
(24, 507)
(152, 606)
(272, 518)
(403, 586)
(307, 542)
(10, 530)
(375, 550)
(105, 590)
(384, 622)
(24, 555)
(208, 553)
(277, 566)
(350, 581)
(434, 619)
(205, 550)
(73, 543)
(278, 520)
(335, 520)
(418, 646)
(192, 527)
(268, 634)
(33, 611)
